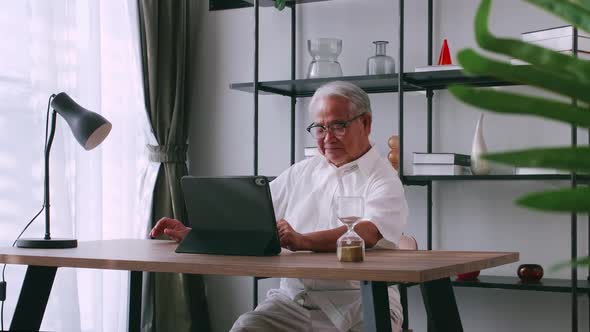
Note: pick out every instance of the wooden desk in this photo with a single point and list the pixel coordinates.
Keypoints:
(430, 268)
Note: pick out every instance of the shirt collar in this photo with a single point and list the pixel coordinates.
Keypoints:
(365, 163)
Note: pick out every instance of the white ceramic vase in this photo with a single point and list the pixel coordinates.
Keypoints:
(478, 165)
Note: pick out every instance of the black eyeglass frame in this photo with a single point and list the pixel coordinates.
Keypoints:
(343, 124)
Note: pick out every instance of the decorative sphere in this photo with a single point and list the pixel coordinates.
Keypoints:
(530, 272)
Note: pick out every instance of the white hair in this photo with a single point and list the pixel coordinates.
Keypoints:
(358, 99)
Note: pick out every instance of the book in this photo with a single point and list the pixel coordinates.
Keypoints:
(549, 33)
(564, 44)
(581, 55)
(310, 152)
(440, 169)
(558, 39)
(437, 68)
(442, 158)
(534, 170)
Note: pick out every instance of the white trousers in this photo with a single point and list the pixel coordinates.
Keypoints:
(280, 313)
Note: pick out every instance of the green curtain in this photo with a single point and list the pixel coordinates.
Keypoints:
(170, 302)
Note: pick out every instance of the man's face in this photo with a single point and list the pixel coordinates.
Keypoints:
(355, 141)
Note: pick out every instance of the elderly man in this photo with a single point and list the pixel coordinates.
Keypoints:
(302, 198)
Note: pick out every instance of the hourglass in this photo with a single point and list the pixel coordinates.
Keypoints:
(349, 210)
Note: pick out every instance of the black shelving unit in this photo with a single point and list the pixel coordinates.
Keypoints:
(422, 81)
(234, 4)
(408, 82)
(422, 180)
(546, 284)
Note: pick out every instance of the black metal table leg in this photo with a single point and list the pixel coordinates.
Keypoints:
(255, 293)
(135, 281)
(403, 297)
(441, 307)
(33, 297)
(376, 315)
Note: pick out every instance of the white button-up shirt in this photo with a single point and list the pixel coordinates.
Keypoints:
(303, 195)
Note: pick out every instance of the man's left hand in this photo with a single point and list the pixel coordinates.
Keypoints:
(291, 239)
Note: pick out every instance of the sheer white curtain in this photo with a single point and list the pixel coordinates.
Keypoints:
(90, 50)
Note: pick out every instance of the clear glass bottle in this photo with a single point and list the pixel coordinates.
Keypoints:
(380, 63)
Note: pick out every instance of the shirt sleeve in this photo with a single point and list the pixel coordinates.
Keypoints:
(279, 191)
(386, 207)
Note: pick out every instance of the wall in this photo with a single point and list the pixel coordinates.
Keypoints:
(467, 215)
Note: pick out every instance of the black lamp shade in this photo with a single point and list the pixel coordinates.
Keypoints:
(89, 128)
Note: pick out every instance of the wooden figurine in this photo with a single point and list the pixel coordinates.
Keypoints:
(393, 154)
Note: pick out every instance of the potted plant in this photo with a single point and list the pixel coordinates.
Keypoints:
(549, 70)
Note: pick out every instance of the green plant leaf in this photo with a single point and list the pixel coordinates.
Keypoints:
(576, 200)
(549, 70)
(570, 86)
(576, 12)
(582, 261)
(576, 159)
(280, 4)
(562, 65)
(506, 102)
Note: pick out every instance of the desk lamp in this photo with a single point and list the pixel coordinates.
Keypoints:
(90, 129)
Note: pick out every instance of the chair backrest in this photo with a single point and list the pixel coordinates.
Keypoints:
(408, 242)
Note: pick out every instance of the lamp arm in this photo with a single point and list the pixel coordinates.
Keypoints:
(46, 185)
(47, 242)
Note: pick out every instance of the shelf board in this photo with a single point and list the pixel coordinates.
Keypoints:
(234, 4)
(372, 83)
(514, 283)
(306, 87)
(424, 179)
(441, 79)
(546, 285)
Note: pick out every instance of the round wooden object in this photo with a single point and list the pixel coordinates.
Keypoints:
(393, 142)
(393, 156)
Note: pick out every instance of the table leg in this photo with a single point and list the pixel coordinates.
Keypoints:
(33, 297)
(403, 297)
(135, 281)
(376, 315)
(441, 307)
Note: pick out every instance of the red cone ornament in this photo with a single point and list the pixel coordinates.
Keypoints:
(445, 56)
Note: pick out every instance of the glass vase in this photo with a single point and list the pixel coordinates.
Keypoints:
(325, 52)
(380, 63)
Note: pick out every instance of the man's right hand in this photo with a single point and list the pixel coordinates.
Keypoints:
(173, 228)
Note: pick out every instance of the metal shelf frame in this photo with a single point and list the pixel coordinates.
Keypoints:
(423, 180)
(401, 83)
(422, 81)
(545, 285)
(235, 4)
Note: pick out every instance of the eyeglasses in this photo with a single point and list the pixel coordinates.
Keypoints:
(338, 128)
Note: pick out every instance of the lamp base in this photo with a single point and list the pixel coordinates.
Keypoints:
(56, 243)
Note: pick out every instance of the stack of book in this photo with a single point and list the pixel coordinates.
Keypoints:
(441, 163)
(559, 39)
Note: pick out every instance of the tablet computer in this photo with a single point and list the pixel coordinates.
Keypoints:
(230, 215)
